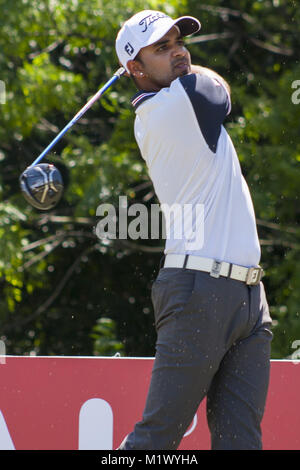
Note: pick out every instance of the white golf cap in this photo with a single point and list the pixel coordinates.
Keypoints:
(147, 27)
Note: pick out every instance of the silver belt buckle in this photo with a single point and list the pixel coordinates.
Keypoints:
(254, 276)
(216, 268)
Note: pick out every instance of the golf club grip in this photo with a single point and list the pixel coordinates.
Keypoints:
(80, 113)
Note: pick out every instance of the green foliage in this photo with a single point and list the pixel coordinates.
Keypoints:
(103, 334)
(12, 239)
(64, 291)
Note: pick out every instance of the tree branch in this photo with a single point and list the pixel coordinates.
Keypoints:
(57, 291)
(49, 48)
(40, 256)
(271, 48)
(274, 226)
(294, 246)
(209, 37)
(225, 12)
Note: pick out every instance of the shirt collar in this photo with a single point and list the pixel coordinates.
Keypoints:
(140, 97)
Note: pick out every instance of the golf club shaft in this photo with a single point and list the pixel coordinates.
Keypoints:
(80, 113)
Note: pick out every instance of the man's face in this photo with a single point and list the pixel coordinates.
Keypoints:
(160, 63)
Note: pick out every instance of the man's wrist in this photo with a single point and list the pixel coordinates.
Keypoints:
(199, 69)
(209, 73)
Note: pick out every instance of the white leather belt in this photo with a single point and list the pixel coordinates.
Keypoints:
(251, 276)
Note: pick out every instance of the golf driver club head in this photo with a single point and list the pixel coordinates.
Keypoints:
(42, 186)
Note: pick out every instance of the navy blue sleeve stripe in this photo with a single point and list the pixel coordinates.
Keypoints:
(211, 104)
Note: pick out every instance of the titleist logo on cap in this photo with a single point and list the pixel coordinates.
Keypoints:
(148, 20)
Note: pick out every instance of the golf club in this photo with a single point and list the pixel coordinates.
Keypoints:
(42, 184)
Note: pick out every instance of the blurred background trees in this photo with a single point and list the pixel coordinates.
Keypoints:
(64, 291)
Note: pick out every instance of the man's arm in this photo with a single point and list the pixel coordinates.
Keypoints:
(210, 99)
(210, 73)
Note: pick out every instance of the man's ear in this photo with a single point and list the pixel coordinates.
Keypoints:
(135, 68)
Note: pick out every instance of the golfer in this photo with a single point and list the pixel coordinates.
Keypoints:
(211, 313)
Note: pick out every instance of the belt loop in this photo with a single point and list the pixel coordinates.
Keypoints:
(185, 261)
(229, 271)
(162, 259)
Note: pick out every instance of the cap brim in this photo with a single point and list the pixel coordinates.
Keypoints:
(188, 25)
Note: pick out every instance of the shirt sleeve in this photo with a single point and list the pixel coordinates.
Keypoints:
(211, 104)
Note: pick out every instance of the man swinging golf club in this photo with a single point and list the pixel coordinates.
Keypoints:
(211, 313)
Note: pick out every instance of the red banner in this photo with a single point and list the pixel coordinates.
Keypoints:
(69, 403)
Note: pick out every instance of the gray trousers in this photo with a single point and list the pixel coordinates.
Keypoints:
(213, 341)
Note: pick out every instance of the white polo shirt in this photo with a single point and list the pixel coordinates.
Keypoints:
(192, 163)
